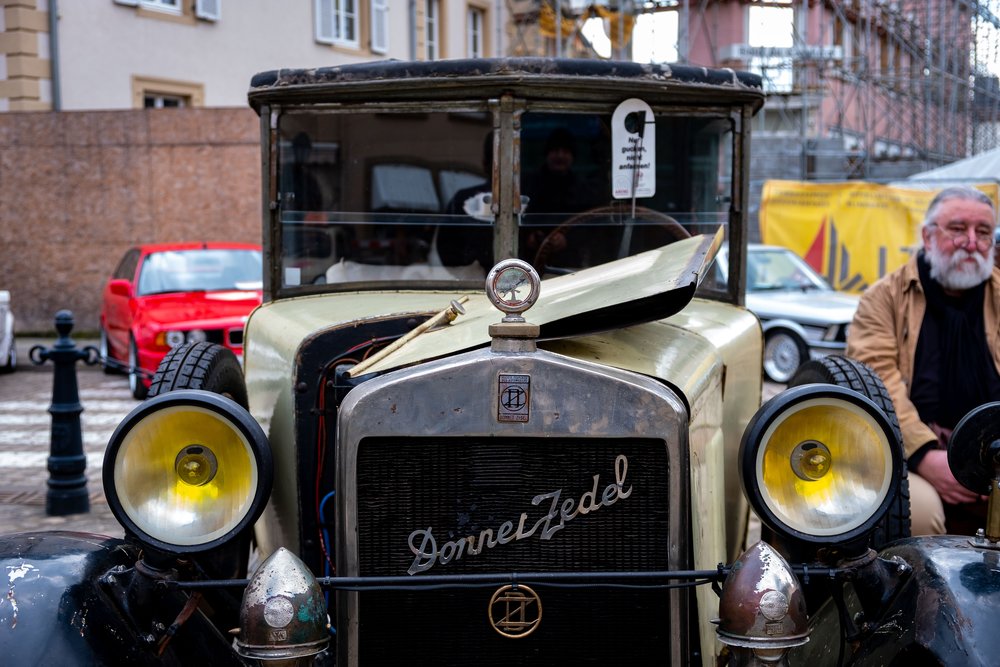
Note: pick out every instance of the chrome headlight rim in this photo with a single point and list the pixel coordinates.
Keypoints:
(227, 410)
(771, 413)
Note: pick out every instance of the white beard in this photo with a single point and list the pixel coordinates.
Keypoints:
(953, 273)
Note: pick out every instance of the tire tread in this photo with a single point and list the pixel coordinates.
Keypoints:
(193, 366)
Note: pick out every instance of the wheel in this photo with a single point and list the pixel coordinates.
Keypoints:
(135, 383)
(853, 374)
(555, 241)
(784, 352)
(108, 365)
(203, 365)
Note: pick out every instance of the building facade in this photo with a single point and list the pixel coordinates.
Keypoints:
(72, 55)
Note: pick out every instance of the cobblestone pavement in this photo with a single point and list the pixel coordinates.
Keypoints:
(25, 433)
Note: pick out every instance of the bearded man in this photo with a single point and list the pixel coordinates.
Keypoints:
(931, 330)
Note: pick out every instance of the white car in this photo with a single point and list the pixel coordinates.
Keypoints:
(803, 317)
(8, 353)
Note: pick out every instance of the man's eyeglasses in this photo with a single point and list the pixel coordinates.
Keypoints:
(959, 234)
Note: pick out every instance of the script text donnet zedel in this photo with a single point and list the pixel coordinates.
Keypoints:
(428, 554)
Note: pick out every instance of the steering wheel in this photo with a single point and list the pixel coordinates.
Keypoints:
(555, 241)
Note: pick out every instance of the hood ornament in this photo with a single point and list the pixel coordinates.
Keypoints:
(513, 287)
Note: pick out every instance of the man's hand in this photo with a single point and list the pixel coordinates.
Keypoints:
(934, 468)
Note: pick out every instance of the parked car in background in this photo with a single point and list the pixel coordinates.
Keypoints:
(8, 352)
(803, 317)
(164, 295)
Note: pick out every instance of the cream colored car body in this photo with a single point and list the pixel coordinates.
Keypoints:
(709, 352)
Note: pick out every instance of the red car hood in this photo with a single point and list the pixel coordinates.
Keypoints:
(202, 310)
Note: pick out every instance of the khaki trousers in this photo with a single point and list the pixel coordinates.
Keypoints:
(926, 509)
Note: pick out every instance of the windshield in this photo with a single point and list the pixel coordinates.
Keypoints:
(574, 215)
(778, 269)
(408, 197)
(201, 270)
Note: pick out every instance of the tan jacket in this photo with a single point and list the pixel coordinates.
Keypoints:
(884, 335)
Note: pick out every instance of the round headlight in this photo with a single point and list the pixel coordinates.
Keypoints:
(197, 336)
(820, 463)
(187, 471)
(175, 338)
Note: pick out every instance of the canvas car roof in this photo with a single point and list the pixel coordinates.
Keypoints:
(552, 78)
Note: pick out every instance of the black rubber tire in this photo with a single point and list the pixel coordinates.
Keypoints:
(852, 374)
(107, 362)
(135, 383)
(206, 366)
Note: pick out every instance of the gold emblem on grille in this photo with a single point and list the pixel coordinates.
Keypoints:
(515, 611)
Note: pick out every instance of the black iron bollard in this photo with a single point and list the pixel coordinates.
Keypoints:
(67, 483)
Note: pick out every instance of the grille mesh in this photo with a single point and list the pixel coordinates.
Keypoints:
(461, 488)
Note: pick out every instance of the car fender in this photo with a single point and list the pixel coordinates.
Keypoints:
(53, 611)
(72, 599)
(944, 613)
(782, 323)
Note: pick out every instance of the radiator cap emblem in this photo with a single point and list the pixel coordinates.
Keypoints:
(512, 286)
(515, 611)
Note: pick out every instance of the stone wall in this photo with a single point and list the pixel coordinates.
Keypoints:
(79, 188)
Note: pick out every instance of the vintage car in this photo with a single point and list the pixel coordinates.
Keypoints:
(162, 295)
(803, 317)
(505, 430)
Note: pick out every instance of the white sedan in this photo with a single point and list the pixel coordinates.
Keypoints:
(802, 316)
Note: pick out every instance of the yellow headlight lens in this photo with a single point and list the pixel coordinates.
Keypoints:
(185, 475)
(824, 466)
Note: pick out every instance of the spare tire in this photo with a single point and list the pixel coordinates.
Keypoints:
(206, 366)
(852, 374)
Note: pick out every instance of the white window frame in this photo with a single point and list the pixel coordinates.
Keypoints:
(340, 14)
(432, 29)
(168, 6)
(476, 32)
(380, 26)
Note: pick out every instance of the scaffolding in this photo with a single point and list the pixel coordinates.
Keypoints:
(874, 89)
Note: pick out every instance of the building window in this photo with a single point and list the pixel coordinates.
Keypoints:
(184, 11)
(476, 32)
(432, 30)
(337, 22)
(151, 100)
(771, 26)
(163, 5)
(154, 93)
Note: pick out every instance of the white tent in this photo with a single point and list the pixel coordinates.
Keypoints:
(984, 167)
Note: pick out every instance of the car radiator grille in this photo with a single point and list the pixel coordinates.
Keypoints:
(458, 489)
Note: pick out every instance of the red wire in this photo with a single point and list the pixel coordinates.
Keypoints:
(321, 432)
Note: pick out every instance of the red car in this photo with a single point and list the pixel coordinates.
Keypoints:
(167, 294)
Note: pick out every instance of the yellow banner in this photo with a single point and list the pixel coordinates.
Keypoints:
(852, 233)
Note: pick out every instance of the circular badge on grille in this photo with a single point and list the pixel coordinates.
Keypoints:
(515, 611)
